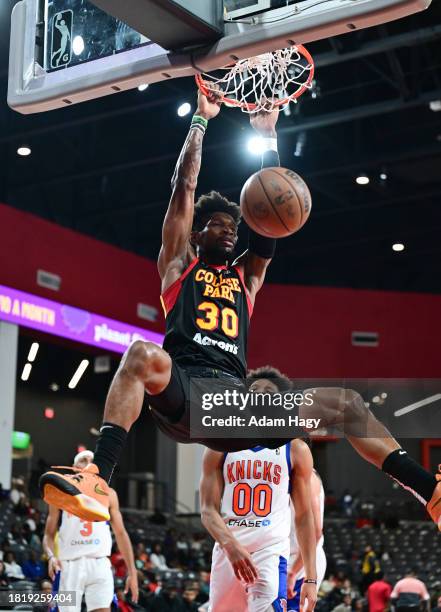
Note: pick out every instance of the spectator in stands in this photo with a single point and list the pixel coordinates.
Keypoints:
(370, 568)
(346, 503)
(4, 580)
(345, 605)
(167, 600)
(118, 563)
(32, 539)
(204, 586)
(13, 569)
(438, 606)
(189, 597)
(142, 560)
(33, 568)
(17, 490)
(15, 536)
(122, 600)
(347, 588)
(358, 605)
(328, 584)
(157, 558)
(378, 594)
(410, 592)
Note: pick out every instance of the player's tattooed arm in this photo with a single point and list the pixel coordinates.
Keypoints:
(176, 251)
(210, 492)
(304, 518)
(257, 257)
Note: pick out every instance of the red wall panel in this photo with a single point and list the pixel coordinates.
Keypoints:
(305, 331)
(95, 276)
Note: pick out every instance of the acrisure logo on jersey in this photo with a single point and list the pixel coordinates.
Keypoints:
(249, 522)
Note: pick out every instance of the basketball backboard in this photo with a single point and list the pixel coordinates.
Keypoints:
(67, 51)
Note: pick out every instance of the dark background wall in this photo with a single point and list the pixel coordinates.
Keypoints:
(305, 331)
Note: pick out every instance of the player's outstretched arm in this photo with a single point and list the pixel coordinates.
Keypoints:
(210, 492)
(301, 459)
(176, 251)
(124, 545)
(257, 257)
(50, 532)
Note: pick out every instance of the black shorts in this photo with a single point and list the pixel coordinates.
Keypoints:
(171, 411)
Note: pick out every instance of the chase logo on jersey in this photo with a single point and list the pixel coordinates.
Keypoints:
(249, 523)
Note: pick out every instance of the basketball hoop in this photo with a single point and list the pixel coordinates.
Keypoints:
(264, 82)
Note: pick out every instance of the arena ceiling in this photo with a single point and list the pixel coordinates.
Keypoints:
(103, 168)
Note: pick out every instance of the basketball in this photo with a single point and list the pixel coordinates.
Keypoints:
(275, 202)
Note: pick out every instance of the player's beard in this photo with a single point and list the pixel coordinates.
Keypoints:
(218, 256)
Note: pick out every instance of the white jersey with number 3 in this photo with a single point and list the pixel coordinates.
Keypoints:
(256, 499)
(77, 538)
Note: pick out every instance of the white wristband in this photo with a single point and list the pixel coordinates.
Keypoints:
(269, 144)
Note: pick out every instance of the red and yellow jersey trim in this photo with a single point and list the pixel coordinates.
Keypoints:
(171, 294)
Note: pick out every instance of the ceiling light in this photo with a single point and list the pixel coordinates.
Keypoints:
(54, 387)
(24, 151)
(383, 176)
(398, 247)
(33, 351)
(256, 145)
(78, 374)
(383, 396)
(184, 109)
(26, 371)
(78, 45)
(143, 86)
(362, 179)
(435, 106)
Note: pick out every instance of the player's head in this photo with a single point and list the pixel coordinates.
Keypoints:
(268, 380)
(82, 459)
(215, 225)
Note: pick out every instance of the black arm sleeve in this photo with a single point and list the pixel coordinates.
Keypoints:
(257, 244)
(270, 158)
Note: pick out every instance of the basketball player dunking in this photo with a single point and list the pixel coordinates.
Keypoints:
(81, 563)
(208, 302)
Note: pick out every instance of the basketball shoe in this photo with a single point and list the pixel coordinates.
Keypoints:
(84, 493)
(434, 506)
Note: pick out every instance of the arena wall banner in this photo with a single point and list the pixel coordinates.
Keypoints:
(68, 322)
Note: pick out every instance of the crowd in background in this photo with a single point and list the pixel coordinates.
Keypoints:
(173, 571)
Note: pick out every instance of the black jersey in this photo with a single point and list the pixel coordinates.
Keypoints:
(208, 313)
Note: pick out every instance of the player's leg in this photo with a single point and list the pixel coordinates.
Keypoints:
(227, 593)
(72, 577)
(269, 592)
(99, 586)
(145, 367)
(346, 410)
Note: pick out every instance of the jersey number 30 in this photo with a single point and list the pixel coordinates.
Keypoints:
(229, 321)
(257, 499)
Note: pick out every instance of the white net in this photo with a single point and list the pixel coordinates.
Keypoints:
(264, 82)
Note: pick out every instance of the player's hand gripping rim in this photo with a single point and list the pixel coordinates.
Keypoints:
(242, 563)
(308, 597)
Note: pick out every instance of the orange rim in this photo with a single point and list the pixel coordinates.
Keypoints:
(251, 105)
